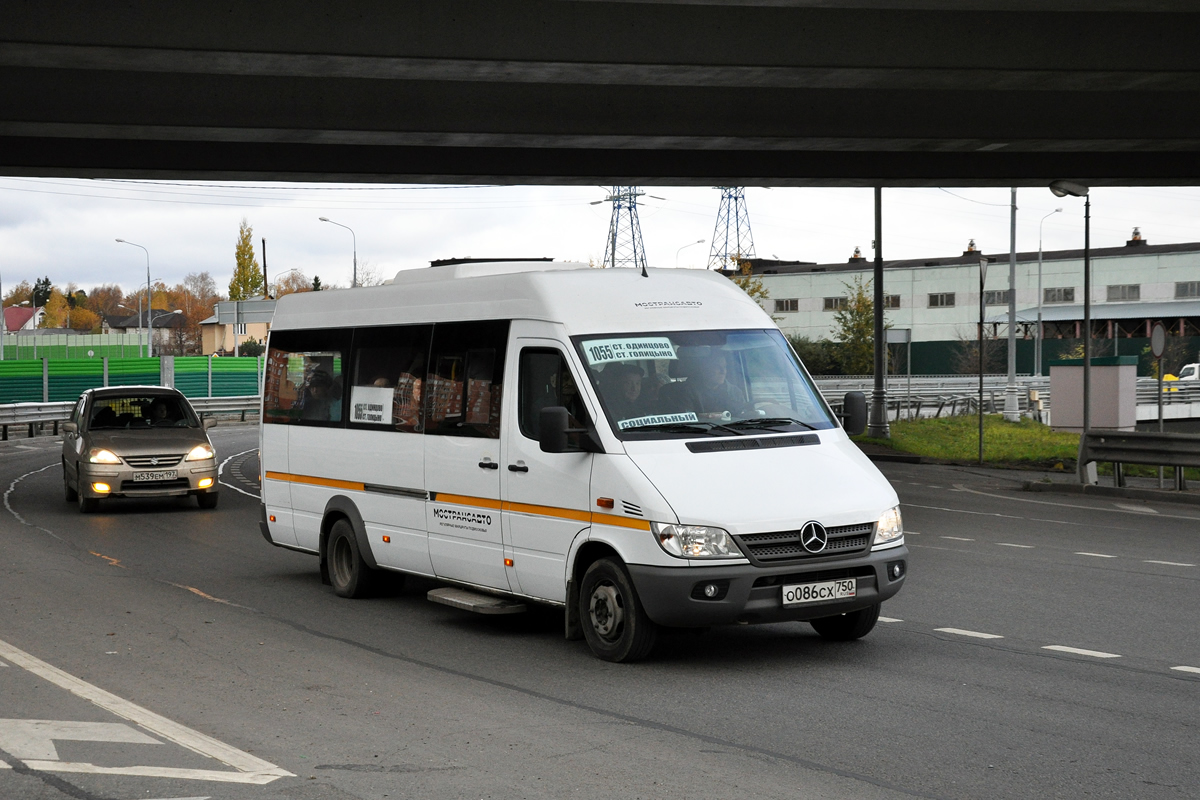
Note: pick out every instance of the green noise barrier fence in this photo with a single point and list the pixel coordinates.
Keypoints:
(57, 380)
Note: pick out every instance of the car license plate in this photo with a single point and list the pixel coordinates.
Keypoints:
(800, 593)
(160, 475)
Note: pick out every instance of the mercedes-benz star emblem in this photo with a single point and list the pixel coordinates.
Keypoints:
(813, 537)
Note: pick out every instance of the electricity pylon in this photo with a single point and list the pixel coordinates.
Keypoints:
(731, 237)
(624, 246)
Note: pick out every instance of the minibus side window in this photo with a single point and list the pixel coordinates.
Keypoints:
(304, 382)
(464, 385)
(546, 381)
(387, 377)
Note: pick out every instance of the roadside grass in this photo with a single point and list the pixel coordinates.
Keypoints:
(1026, 444)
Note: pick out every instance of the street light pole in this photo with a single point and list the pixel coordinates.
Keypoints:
(983, 265)
(354, 243)
(149, 303)
(1037, 353)
(689, 244)
(1062, 189)
(1012, 407)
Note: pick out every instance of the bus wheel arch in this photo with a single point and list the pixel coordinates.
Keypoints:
(341, 508)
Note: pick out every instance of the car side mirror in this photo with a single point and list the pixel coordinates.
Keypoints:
(208, 423)
(854, 413)
(553, 431)
(70, 427)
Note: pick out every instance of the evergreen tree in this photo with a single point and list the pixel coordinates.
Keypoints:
(316, 283)
(41, 291)
(247, 279)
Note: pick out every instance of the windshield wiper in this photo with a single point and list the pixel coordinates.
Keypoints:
(687, 427)
(770, 422)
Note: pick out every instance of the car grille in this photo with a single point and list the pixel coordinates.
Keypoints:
(776, 546)
(144, 486)
(153, 462)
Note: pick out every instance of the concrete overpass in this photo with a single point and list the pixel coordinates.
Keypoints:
(770, 92)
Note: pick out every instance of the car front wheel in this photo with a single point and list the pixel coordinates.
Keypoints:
(614, 624)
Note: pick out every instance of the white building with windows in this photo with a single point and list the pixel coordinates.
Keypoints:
(938, 298)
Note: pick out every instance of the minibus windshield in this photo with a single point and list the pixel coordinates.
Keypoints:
(704, 382)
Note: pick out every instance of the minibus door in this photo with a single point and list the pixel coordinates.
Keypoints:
(462, 399)
(545, 495)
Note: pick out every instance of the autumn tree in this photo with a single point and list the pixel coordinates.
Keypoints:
(291, 282)
(247, 279)
(105, 298)
(745, 280)
(854, 329)
(368, 274)
(18, 294)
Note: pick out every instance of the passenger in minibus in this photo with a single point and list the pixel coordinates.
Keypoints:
(624, 391)
(320, 400)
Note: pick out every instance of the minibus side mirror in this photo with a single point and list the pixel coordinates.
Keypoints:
(553, 430)
(854, 413)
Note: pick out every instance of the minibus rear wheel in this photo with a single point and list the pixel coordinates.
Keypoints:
(348, 573)
(847, 627)
(614, 623)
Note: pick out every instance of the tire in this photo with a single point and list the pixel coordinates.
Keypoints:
(349, 574)
(88, 505)
(207, 499)
(847, 627)
(614, 624)
(69, 494)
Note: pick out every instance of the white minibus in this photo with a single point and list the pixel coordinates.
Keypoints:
(641, 449)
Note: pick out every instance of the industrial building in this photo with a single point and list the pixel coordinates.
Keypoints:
(937, 298)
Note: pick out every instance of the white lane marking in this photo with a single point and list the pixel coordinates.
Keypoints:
(12, 487)
(1049, 503)
(1188, 669)
(1096, 555)
(973, 634)
(221, 471)
(1170, 563)
(912, 533)
(890, 619)
(1138, 509)
(4, 765)
(250, 769)
(956, 538)
(1010, 544)
(215, 775)
(28, 739)
(1077, 651)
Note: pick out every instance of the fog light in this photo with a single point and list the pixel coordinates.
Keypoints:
(895, 570)
(710, 590)
(101, 487)
(205, 483)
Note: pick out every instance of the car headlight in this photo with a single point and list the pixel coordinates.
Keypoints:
(200, 452)
(98, 455)
(695, 541)
(889, 527)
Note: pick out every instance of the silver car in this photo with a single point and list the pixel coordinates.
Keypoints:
(137, 441)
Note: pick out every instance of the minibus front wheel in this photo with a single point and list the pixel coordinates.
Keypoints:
(614, 623)
(350, 576)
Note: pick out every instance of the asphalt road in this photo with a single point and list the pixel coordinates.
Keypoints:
(159, 651)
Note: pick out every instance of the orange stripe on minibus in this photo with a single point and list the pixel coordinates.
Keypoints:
(549, 511)
(466, 500)
(312, 480)
(620, 522)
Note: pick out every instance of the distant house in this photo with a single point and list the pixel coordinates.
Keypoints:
(22, 318)
(166, 323)
(234, 323)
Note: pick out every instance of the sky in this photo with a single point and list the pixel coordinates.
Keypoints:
(66, 228)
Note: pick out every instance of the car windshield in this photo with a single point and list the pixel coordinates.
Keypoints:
(140, 411)
(690, 383)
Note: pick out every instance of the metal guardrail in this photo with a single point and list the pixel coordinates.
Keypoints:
(32, 414)
(1142, 447)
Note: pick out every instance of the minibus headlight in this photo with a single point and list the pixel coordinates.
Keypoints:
(98, 455)
(695, 541)
(890, 527)
(200, 452)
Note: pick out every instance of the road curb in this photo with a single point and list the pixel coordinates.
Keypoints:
(1160, 495)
